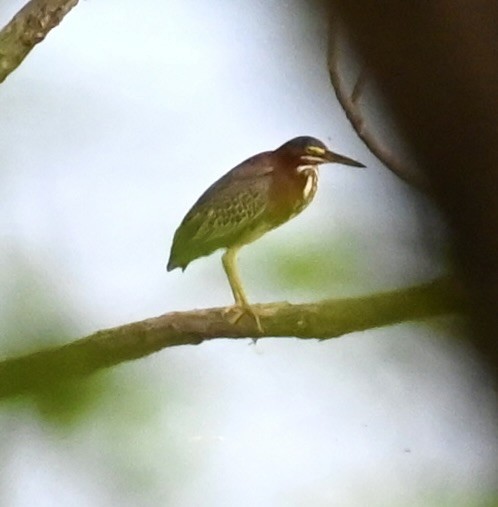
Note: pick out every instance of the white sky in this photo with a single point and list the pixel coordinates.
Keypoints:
(110, 130)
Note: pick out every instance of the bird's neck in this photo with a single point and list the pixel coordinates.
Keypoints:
(309, 174)
(291, 192)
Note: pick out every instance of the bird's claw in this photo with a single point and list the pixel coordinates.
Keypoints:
(238, 311)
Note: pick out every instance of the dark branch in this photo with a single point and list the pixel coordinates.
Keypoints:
(323, 320)
(27, 28)
(350, 104)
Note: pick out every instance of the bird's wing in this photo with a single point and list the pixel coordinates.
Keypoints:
(228, 210)
(228, 213)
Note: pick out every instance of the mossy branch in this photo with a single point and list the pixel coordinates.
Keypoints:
(323, 320)
(27, 28)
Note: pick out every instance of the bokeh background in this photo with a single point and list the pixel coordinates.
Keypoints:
(110, 130)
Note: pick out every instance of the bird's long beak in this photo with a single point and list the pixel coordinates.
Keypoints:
(330, 156)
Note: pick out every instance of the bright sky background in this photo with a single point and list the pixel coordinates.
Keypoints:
(111, 129)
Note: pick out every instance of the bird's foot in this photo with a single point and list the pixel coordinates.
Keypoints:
(235, 313)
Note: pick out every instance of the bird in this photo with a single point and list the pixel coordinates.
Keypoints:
(256, 196)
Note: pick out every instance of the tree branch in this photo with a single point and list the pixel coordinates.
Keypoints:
(27, 28)
(322, 320)
(351, 106)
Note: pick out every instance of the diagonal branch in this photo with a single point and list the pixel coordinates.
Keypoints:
(322, 320)
(351, 105)
(27, 28)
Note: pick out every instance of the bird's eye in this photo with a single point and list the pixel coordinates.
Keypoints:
(315, 150)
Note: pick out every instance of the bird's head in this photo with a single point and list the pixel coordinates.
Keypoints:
(308, 151)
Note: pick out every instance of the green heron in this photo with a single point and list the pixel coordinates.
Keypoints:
(256, 196)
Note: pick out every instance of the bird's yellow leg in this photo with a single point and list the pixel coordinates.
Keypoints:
(230, 265)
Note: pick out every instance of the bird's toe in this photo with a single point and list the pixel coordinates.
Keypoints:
(235, 313)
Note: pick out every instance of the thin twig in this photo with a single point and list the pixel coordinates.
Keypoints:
(27, 28)
(359, 86)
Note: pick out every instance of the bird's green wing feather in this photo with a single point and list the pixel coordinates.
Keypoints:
(227, 214)
(229, 210)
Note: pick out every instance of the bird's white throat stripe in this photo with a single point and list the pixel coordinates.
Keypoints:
(306, 168)
(308, 187)
(311, 173)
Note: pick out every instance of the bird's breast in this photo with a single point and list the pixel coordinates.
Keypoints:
(292, 192)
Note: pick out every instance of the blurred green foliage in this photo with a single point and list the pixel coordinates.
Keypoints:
(112, 416)
(321, 266)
